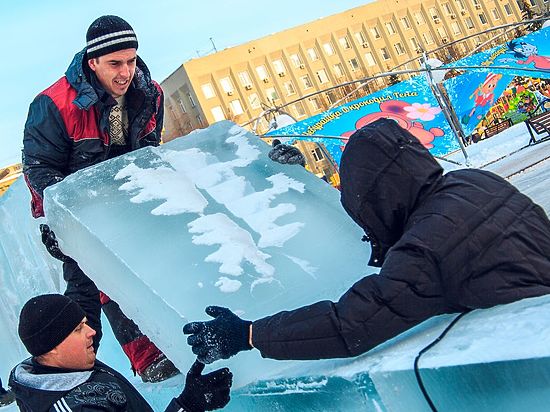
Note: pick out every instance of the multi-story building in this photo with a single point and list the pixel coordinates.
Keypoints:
(238, 83)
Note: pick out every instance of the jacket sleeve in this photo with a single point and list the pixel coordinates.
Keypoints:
(376, 308)
(160, 115)
(46, 149)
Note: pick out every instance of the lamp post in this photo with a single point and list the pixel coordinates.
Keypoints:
(434, 80)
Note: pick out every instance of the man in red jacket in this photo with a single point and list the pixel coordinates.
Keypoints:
(105, 105)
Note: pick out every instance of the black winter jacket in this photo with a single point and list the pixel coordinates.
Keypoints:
(45, 389)
(67, 127)
(445, 243)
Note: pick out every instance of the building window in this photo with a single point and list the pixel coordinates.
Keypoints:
(331, 97)
(344, 43)
(433, 13)
(496, 14)
(299, 109)
(208, 90)
(338, 69)
(296, 60)
(385, 53)
(361, 39)
(442, 32)
(390, 28)
(317, 154)
(289, 87)
(262, 72)
(369, 59)
(405, 23)
(244, 78)
(329, 50)
(399, 48)
(306, 81)
(447, 8)
(455, 27)
(419, 17)
(460, 5)
(375, 33)
(312, 53)
(191, 100)
(469, 23)
(272, 94)
(322, 76)
(217, 113)
(428, 38)
(414, 44)
(279, 67)
(254, 101)
(508, 9)
(200, 122)
(236, 107)
(182, 106)
(482, 18)
(226, 84)
(314, 101)
(353, 64)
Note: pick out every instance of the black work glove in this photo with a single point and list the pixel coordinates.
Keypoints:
(49, 240)
(220, 338)
(205, 392)
(286, 154)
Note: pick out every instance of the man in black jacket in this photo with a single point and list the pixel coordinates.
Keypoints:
(64, 375)
(106, 105)
(444, 243)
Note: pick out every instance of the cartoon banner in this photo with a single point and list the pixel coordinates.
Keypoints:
(473, 93)
(410, 103)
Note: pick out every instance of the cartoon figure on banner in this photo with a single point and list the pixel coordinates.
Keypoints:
(526, 51)
(483, 97)
(404, 114)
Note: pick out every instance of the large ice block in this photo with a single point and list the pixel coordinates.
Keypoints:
(207, 219)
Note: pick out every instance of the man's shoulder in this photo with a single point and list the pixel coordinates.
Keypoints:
(61, 92)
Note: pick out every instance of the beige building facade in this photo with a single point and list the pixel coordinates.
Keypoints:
(238, 83)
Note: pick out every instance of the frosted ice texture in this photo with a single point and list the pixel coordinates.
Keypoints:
(207, 219)
(496, 359)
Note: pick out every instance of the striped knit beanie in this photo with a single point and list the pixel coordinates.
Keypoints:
(109, 34)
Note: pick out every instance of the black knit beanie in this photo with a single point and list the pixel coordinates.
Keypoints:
(109, 34)
(46, 320)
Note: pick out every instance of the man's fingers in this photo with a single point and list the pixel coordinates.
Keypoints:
(216, 311)
(193, 327)
(223, 375)
(196, 369)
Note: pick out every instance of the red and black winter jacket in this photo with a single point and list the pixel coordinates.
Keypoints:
(67, 128)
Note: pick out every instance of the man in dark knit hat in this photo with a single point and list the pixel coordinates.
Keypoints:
(63, 373)
(105, 105)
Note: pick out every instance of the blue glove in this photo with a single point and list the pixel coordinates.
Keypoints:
(205, 392)
(286, 154)
(224, 336)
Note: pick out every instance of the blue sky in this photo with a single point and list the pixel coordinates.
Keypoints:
(39, 39)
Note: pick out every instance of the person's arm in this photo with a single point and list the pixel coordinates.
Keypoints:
(159, 116)
(46, 149)
(376, 308)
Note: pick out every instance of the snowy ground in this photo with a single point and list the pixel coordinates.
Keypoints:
(505, 154)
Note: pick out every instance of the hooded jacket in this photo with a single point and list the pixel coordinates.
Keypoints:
(41, 388)
(67, 127)
(444, 243)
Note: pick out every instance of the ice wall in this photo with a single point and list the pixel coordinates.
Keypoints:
(207, 219)
(26, 269)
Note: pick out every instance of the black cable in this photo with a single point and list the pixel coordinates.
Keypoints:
(427, 348)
